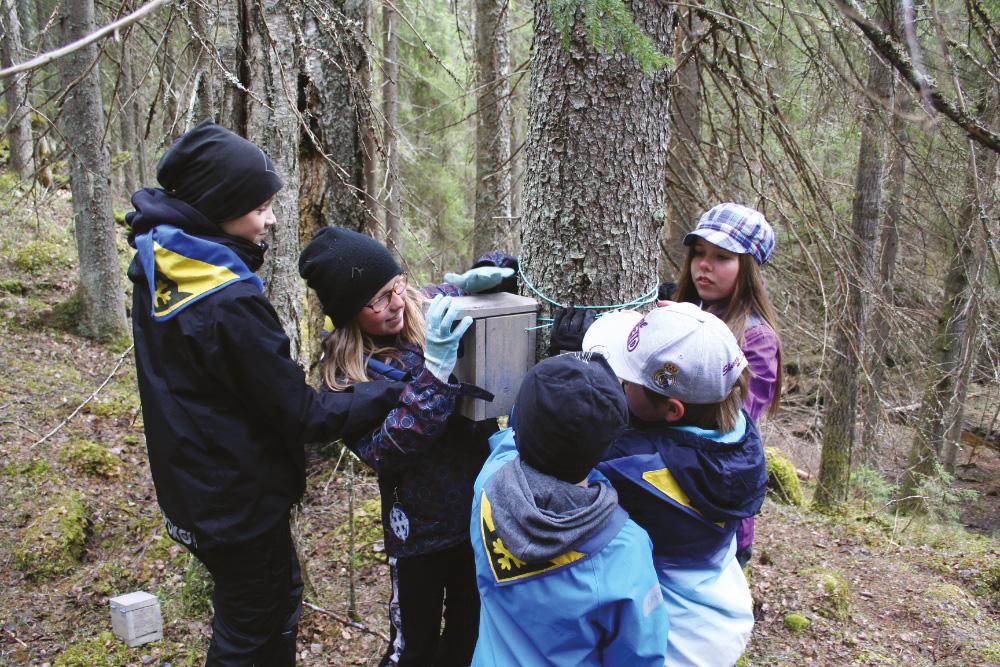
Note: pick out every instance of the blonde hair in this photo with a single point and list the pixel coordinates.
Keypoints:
(749, 296)
(721, 416)
(346, 348)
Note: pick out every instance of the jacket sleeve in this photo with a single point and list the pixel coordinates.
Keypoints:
(417, 421)
(247, 352)
(763, 355)
(637, 623)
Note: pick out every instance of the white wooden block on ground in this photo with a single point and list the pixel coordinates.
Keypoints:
(496, 351)
(135, 618)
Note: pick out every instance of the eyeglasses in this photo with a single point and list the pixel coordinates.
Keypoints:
(381, 302)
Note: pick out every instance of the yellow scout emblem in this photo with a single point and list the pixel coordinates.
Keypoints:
(506, 566)
(187, 279)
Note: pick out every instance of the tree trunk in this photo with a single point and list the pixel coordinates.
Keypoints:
(204, 68)
(873, 431)
(941, 409)
(102, 307)
(596, 146)
(390, 140)
(332, 162)
(683, 200)
(859, 277)
(127, 103)
(493, 228)
(366, 117)
(22, 159)
(272, 123)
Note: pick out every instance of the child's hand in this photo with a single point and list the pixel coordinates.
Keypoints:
(479, 279)
(441, 347)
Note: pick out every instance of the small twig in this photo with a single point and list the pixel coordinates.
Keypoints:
(346, 621)
(890, 504)
(18, 639)
(16, 423)
(121, 360)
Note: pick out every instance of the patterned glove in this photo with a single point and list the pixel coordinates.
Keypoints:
(568, 327)
(479, 279)
(441, 347)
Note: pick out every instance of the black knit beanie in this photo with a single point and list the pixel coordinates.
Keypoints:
(569, 409)
(218, 172)
(346, 269)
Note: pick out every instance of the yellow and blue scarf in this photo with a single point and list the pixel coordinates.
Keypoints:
(181, 269)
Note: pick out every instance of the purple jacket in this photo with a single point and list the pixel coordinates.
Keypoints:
(760, 347)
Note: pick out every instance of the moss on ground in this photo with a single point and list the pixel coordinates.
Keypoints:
(796, 622)
(836, 594)
(782, 479)
(104, 649)
(367, 532)
(52, 545)
(91, 458)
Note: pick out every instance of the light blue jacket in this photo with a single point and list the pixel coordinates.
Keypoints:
(598, 604)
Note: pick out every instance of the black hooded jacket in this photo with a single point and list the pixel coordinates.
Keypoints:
(226, 410)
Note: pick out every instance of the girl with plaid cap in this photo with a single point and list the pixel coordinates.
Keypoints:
(722, 274)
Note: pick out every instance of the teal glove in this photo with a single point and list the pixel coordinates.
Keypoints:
(441, 347)
(479, 279)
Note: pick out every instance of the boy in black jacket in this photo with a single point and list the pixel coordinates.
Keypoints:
(226, 410)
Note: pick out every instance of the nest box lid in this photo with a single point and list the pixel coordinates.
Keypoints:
(478, 306)
(130, 601)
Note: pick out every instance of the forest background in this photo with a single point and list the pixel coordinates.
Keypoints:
(586, 136)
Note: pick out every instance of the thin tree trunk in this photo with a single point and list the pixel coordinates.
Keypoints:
(874, 429)
(204, 68)
(941, 409)
(683, 201)
(390, 140)
(272, 123)
(596, 147)
(22, 159)
(517, 131)
(128, 131)
(493, 228)
(859, 277)
(102, 313)
(366, 117)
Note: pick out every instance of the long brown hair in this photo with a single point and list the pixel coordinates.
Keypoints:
(345, 349)
(749, 296)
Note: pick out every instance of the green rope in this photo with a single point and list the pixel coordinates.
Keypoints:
(647, 298)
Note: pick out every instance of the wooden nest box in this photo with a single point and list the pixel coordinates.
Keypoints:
(496, 351)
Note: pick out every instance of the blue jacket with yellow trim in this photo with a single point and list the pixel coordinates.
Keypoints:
(225, 408)
(689, 492)
(597, 604)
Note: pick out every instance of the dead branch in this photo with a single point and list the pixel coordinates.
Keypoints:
(346, 621)
(121, 360)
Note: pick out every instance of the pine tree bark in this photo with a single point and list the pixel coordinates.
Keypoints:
(390, 140)
(683, 200)
(272, 122)
(493, 228)
(22, 159)
(102, 306)
(595, 153)
(859, 277)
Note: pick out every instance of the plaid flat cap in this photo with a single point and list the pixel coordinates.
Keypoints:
(736, 228)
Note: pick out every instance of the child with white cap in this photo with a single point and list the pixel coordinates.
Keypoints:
(689, 468)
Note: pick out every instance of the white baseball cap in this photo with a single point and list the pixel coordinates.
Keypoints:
(680, 351)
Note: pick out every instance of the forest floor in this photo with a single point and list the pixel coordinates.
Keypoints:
(79, 524)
